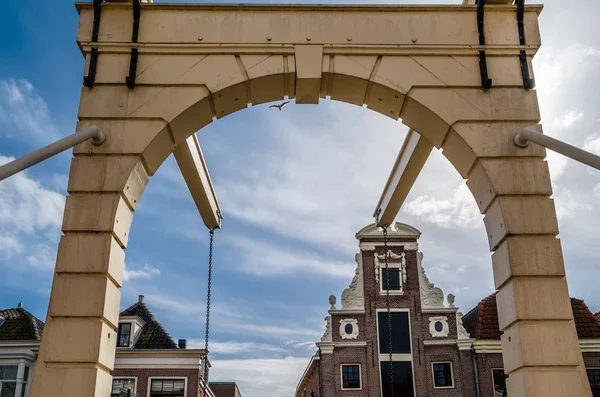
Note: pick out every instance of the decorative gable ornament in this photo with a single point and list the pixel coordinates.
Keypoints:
(353, 297)
(462, 332)
(438, 326)
(327, 337)
(349, 328)
(432, 297)
(395, 257)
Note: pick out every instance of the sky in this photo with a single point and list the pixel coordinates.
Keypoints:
(294, 186)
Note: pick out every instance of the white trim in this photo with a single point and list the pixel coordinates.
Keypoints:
(167, 377)
(395, 357)
(135, 385)
(370, 246)
(344, 323)
(451, 374)
(359, 376)
(346, 311)
(439, 310)
(445, 328)
(495, 346)
(444, 342)
(350, 344)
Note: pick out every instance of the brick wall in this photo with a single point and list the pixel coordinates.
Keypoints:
(142, 374)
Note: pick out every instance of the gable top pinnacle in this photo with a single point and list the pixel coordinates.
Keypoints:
(397, 229)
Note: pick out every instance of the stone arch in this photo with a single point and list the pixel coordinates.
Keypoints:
(434, 89)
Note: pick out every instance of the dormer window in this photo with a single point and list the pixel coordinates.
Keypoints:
(2, 320)
(124, 335)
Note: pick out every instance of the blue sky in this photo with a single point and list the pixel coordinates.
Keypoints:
(294, 187)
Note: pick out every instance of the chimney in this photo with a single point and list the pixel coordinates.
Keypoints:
(140, 298)
(182, 343)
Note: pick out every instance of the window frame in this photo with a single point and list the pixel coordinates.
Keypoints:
(130, 339)
(185, 385)
(384, 357)
(497, 369)
(394, 265)
(451, 374)
(359, 377)
(135, 384)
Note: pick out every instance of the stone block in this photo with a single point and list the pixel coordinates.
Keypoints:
(309, 62)
(97, 212)
(546, 382)
(533, 298)
(76, 340)
(85, 295)
(524, 345)
(512, 215)
(508, 176)
(527, 256)
(97, 253)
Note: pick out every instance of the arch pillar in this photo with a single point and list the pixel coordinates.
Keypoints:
(77, 351)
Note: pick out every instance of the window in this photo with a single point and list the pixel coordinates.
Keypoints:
(403, 380)
(499, 382)
(400, 333)
(120, 385)
(8, 380)
(2, 319)
(124, 333)
(351, 377)
(442, 375)
(594, 378)
(394, 274)
(167, 388)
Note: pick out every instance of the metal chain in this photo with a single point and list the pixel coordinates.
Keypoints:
(210, 256)
(387, 304)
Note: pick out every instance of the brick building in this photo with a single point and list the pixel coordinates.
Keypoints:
(148, 362)
(435, 350)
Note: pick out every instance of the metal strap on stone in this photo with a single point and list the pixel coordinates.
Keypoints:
(90, 79)
(486, 82)
(528, 82)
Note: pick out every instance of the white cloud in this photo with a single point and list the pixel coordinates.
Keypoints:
(568, 118)
(10, 246)
(27, 207)
(459, 210)
(270, 259)
(145, 272)
(25, 113)
(261, 377)
(238, 348)
(592, 144)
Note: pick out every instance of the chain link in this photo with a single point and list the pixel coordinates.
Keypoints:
(387, 304)
(210, 256)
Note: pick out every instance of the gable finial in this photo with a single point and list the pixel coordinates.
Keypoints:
(20, 305)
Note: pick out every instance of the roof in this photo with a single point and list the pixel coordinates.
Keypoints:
(153, 335)
(482, 321)
(19, 324)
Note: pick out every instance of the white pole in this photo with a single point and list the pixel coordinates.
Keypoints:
(587, 158)
(53, 149)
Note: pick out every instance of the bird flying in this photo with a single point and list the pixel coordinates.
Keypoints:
(279, 106)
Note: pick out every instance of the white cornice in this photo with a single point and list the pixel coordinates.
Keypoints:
(370, 246)
(395, 230)
(444, 342)
(439, 310)
(495, 346)
(343, 312)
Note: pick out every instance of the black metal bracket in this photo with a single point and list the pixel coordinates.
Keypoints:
(130, 80)
(90, 79)
(486, 82)
(528, 82)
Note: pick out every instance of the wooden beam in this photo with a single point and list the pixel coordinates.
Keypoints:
(193, 168)
(411, 159)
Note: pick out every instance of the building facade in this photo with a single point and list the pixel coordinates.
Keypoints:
(435, 351)
(148, 361)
